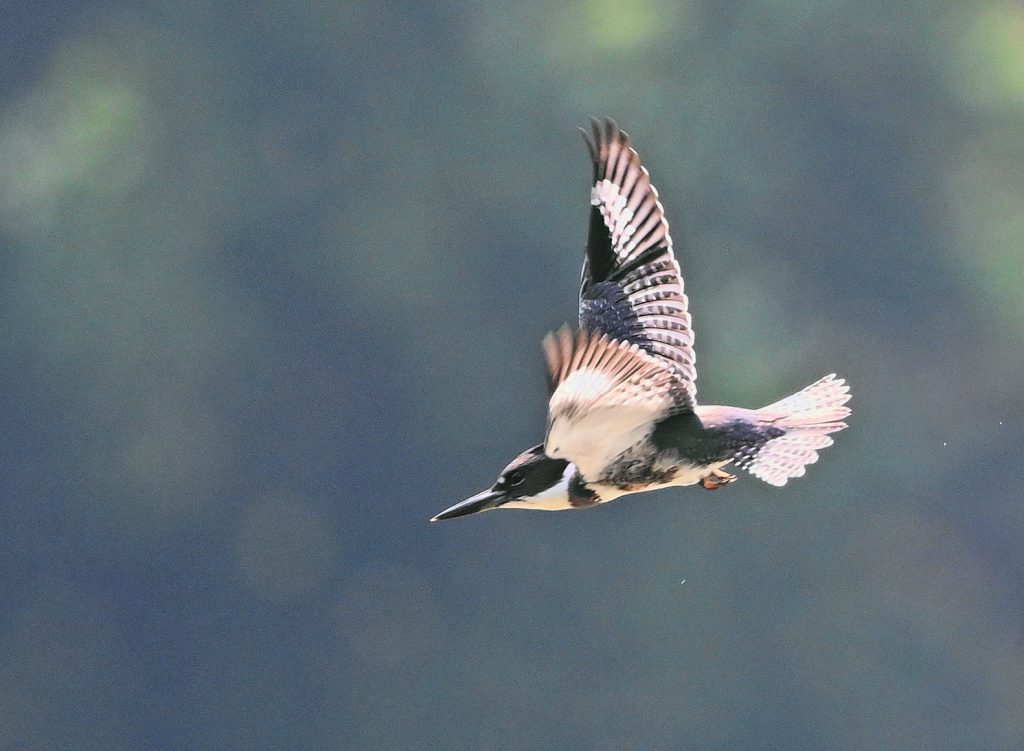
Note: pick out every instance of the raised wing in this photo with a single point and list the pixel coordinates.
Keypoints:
(631, 288)
(605, 397)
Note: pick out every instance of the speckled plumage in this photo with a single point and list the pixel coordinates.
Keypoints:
(623, 412)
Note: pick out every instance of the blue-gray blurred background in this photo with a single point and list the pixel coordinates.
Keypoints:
(273, 280)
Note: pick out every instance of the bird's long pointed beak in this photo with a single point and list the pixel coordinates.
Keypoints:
(483, 501)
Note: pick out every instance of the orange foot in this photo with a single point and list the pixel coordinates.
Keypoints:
(717, 479)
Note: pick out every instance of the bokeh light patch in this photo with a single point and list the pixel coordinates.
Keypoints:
(989, 58)
(285, 547)
(389, 617)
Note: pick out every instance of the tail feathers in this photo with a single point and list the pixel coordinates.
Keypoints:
(821, 402)
(806, 419)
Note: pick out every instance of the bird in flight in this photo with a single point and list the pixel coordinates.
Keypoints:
(623, 415)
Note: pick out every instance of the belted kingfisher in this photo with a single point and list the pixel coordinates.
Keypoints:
(623, 415)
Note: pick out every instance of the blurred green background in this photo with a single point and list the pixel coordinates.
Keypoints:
(274, 277)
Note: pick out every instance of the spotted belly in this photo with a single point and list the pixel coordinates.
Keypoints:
(639, 477)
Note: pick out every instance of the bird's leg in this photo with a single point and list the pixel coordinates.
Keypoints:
(717, 479)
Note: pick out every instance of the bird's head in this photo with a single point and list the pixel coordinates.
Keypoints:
(532, 480)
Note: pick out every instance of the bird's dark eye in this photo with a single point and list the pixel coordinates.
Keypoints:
(514, 478)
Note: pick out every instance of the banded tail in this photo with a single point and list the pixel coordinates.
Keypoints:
(806, 419)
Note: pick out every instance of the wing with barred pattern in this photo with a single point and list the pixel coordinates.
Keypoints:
(631, 287)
